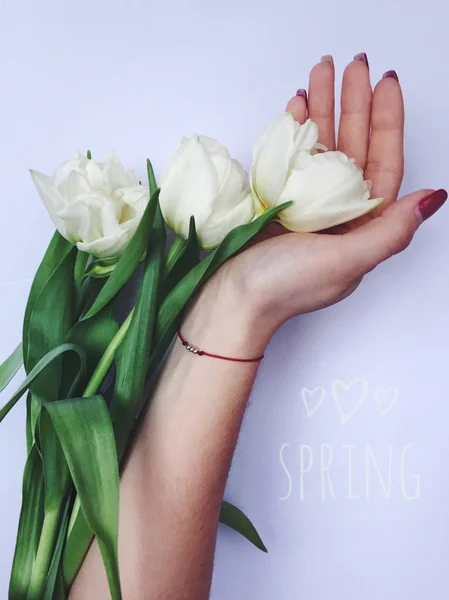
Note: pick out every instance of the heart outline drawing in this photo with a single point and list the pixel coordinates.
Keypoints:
(305, 393)
(392, 393)
(345, 416)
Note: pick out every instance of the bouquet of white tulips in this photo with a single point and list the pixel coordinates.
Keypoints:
(86, 369)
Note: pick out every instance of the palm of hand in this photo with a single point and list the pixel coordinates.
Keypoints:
(295, 272)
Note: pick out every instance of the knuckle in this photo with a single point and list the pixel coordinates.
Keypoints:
(379, 166)
(400, 239)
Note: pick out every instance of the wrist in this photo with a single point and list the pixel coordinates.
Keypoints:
(222, 319)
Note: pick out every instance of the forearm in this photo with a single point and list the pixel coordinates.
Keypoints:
(173, 483)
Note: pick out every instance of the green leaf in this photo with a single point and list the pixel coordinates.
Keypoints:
(54, 578)
(48, 323)
(94, 336)
(151, 178)
(131, 368)
(39, 368)
(170, 312)
(60, 591)
(56, 474)
(28, 427)
(86, 435)
(79, 537)
(52, 317)
(30, 524)
(234, 518)
(182, 257)
(129, 260)
(56, 486)
(90, 289)
(55, 254)
(133, 355)
(54, 587)
(10, 367)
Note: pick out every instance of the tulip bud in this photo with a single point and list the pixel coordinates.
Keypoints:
(326, 188)
(201, 179)
(96, 206)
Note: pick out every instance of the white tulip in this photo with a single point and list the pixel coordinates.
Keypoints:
(96, 206)
(201, 179)
(326, 188)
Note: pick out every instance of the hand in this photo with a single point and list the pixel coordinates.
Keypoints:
(295, 273)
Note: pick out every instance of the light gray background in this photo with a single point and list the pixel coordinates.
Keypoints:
(137, 75)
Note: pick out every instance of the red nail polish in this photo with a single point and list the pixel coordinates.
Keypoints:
(390, 75)
(362, 57)
(302, 94)
(428, 206)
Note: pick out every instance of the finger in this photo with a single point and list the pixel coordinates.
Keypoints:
(298, 106)
(322, 100)
(356, 97)
(385, 165)
(390, 233)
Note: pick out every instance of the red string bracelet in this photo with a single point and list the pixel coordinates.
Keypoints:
(198, 352)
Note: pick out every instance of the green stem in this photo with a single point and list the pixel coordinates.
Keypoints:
(107, 359)
(44, 554)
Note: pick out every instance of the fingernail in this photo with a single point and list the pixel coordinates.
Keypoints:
(428, 206)
(302, 94)
(362, 58)
(327, 58)
(390, 74)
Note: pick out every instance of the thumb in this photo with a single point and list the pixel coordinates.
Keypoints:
(392, 231)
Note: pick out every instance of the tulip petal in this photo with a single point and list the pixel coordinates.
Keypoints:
(77, 185)
(261, 141)
(110, 213)
(231, 180)
(115, 175)
(107, 246)
(174, 158)
(63, 171)
(324, 179)
(51, 198)
(132, 202)
(306, 137)
(189, 187)
(219, 225)
(329, 218)
(272, 160)
(326, 189)
(82, 218)
(95, 176)
(214, 147)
